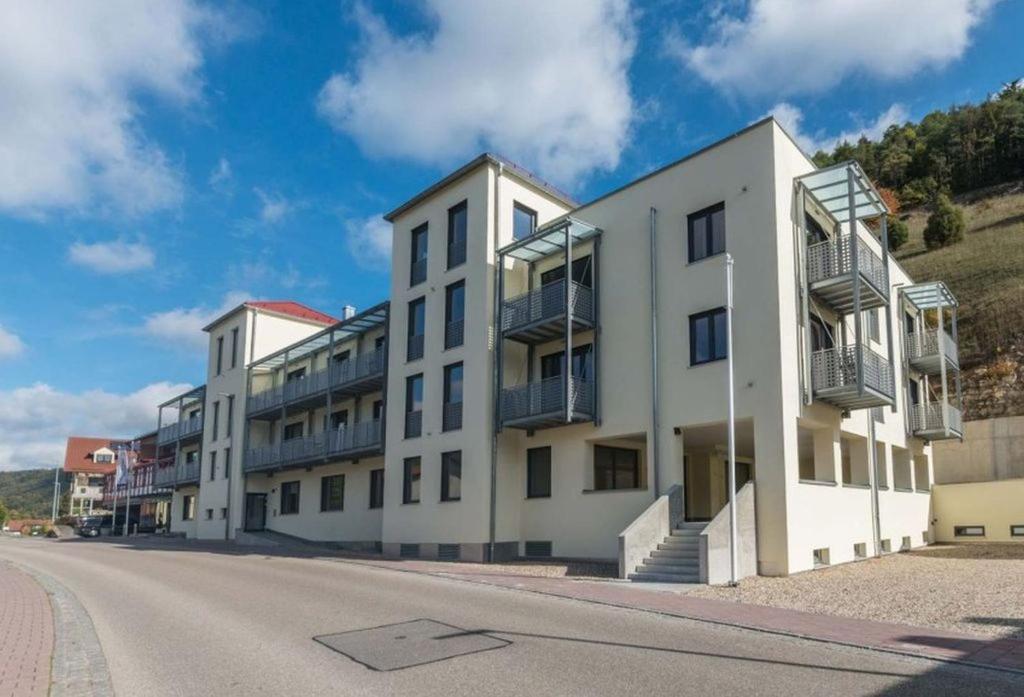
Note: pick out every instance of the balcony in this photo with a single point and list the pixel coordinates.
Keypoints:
(451, 416)
(348, 442)
(539, 315)
(830, 274)
(925, 351)
(181, 430)
(360, 375)
(543, 404)
(165, 476)
(835, 373)
(187, 472)
(936, 421)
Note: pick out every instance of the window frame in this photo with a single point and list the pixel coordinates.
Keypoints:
(423, 229)
(449, 304)
(710, 314)
(213, 465)
(448, 459)
(613, 450)
(220, 354)
(521, 208)
(461, 207)
(377, 488)
(707, 213)
(216, 419)
(285, 497)
(530, 476)
(411, 479)
(326, 503)
(415, 304)
(234, 347)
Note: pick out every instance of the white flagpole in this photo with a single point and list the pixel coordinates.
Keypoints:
(56, 496)
(733, 542)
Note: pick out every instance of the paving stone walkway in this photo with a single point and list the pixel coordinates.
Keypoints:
(26, 635)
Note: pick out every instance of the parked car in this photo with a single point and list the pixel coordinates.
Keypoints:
(94, 525)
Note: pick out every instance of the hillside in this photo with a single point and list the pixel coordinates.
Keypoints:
(28, 493)
(986, 273)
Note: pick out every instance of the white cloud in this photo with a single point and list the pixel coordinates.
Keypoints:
(273, 207)
(10, 344)
(36, 421)
(791, 118)
(73, 77)
(543, 82)
(794, 46)
(369, 242)
(117, 256)
(183, 326)
(221, 174)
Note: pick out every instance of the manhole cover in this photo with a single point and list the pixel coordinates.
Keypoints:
(407, 644)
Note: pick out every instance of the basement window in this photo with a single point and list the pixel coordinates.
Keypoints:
(860, 551)
(1017, 530)
(969, 531)
(886, 546)
(820, 557)
(905, 546)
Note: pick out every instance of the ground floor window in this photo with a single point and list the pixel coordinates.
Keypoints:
(332, 493)
(289, 498)
(377, 488)
(451, 476)
(538, 473)
(188, 507)
(616, 468)
(411, 481)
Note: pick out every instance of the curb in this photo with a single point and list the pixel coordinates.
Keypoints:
(78, 666)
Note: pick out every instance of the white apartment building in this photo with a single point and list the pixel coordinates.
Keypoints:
(446, 423)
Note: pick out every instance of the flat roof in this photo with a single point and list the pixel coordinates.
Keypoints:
(928, 296)
(485, 158)
(193, 395)
(833, 188)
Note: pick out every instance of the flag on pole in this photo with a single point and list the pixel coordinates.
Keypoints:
(122, 466)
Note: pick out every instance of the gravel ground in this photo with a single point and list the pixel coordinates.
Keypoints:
(977, 589)
(552, 569)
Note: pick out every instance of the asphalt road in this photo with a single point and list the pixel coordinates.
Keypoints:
(179, 621)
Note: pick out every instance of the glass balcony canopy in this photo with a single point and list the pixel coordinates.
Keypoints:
(361, 323)
(196, 394)
(549, 239)
(831, 189)
(930, 296)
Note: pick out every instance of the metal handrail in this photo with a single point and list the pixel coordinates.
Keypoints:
(927, 344)
(362, 366)
(359, 436)
(413, 424)
(831, 258)
(547, 302)
(180, 429)
(454, 333)
(451, 416)
(929, 417)
(414, 347)
(547, 396)
(837, 367)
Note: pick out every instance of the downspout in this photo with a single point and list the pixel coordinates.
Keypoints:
(655, 416)
(496, 383)
(876, 518)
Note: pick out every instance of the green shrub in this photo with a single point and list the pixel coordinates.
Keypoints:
(898, 233)
(945, 224)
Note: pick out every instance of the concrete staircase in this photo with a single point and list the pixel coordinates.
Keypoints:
(676, 560)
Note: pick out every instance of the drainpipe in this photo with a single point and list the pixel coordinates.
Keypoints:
(496, 383)
(655, 416)
(876, 518)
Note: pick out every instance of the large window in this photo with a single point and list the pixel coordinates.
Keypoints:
(582, 273)
(213, 465)
(332, 493)
(874, 328)
(418, 265)
(188, 507)
(413, 405)
(234, 347)
(417, 327)
(220, 354)
(231, 415)
(339, 419)
(553, 364)
(289, 498)
(451, 476)
(377, 488)
(216, 420)
(821, 334)
(706, 232)
(524, 221)
(454, 314)
(297, 374)
(616, 468)
(538, 473)
(709, 340)
(457, 235)
(411, 480)
(452, 407)
(293, 431)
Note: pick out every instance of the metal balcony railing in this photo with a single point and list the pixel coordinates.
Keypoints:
(414, 348)
(833, 258)
(355, 438)
(165, 476)
(546, 398)
(413, 424)
(926, 345)
(547, 303)
(456, 253)
(928, 418)
(363, 366)
(836, 368)
(187, 471)
(307, 385)
(265, 399)
(451, 417)
(418, 272)
(180, 429)
(454, 333)
(340, 374)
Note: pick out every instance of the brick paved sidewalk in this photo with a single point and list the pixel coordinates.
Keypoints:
(918, 641)
(26, 635)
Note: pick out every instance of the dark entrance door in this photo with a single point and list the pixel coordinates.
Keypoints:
(255, 512)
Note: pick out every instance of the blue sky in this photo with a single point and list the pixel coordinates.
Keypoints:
(168, 160)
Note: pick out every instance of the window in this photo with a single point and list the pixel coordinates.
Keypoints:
(874, 330)
(105, 458)
(582, 273)
(815, 232)
(418, 263)
(297, 374)
(969, 530)
(289, 498)
(553, 364)
(223, 513)
(454, 314)
(878, 414)
(413, 405)
(1017, 531)
(451, 476)
(377, 488)
(708, 337)
(220, 354)
(213, 465)
(411, 481)
(378, 410)
(227, 463)
(452, 408)
(332, 493)
(188, 507)
(231, 415)
(909, 323)
(292, 431)
(915, 395)
(339, 419)
(706, 232)
(524, 221)
(538, 473)
(616, 468)
(216, 419)
(821, 334)
(190, 456)
(234, 347)
(417, 326)
(341, 356)
(209, 514)
(457, 216)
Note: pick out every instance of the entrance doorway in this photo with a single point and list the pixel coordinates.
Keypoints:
(255, 512)
(706, 467)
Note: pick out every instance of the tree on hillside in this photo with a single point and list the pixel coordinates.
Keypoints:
(945, 224)
(898, 232)
(3, 514)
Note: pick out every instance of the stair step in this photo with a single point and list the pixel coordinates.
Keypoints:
(680, 546)
(687, 532)
(691, 526)
(673, 553)
(670, 566)
(647, 577)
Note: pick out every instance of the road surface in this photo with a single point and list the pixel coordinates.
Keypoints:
(174, 620)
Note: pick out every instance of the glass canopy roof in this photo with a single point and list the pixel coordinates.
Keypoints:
(196, 394)
(343, 330)
(549, 239)
(928, 296)
(830, 187)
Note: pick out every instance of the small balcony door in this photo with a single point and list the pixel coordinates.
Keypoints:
(255, 512)
(553, 364)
